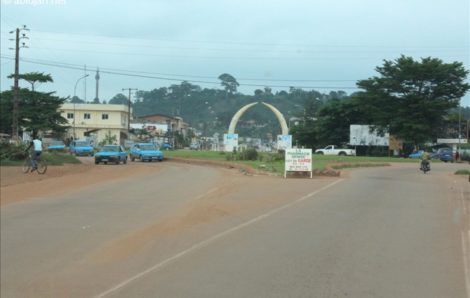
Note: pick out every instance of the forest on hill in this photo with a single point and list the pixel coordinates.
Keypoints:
(210, 110)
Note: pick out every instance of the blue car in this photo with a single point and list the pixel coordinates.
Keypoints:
(55, 146)
(111, 153)
(146, 151)
(445, 154)
(167, 146)
(416, 154)
(81, 148)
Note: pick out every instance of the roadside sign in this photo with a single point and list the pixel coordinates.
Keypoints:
(284, 142)
(230, 141)
(298, 160)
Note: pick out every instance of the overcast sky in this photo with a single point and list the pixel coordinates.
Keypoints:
(315, 44)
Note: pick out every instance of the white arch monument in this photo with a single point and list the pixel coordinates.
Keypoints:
(231, 138)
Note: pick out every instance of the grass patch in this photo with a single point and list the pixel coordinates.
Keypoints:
(210, 155)
(462, 172)
(54, 159)
(320, 162)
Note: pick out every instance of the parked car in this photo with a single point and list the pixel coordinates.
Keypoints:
(416, 154)
(145, 151)
(81, 148)
(56, 145)
(445, 154)
(166, 146)
(111, 153)
(335, 150)
(194, 146)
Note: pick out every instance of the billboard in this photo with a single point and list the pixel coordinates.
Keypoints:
(362, 135)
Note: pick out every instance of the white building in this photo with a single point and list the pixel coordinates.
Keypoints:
(96, 120)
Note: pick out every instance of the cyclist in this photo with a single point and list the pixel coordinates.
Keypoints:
(36, 143)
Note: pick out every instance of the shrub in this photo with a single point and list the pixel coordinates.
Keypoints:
(462, 172)
(249, 154)
(465, 156)
(11, 151)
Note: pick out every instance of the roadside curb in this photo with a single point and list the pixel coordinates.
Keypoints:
(247, 170)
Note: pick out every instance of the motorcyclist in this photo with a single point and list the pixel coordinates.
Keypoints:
(425, 160)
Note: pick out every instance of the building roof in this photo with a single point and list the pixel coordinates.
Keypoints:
(161, 115)
(94, 107)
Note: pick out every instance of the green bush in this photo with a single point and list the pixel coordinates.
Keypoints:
(465, 156)
(462, 172)
(11, 151)
(248, 154)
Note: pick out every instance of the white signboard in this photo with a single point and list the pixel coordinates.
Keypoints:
(284, 142)
(230, 141)
(298, 160)
(361, 135)
(452, 141)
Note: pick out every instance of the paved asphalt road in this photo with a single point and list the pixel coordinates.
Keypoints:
(192, 231)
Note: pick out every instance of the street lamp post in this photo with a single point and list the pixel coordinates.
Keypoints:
(74, 95)
(129, 109)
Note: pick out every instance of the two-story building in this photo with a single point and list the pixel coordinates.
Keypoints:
(97, 120)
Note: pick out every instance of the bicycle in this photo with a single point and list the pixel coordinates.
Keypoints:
(41, 165)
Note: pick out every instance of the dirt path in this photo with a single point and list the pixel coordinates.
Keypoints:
(16, 186)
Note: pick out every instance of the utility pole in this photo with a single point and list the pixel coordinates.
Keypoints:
(74, 111)
(14, 125)
(129, 107)
(84, 83)
(460, 132)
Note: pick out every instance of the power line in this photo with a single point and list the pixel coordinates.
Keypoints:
(267, 56)
(290, 49)
(243, 43)
(148, 76)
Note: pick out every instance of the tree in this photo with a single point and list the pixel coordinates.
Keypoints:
(39, 111)
(34, 77)
(335, 118)
(181, 92)
(229, 83)
(76, 99)
(306, 133)
(411, 98)
(119, 99)
(258, 93)
(109, 138)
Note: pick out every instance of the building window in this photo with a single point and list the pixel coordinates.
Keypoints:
(86, 116)
(104, 116)
(69, 115)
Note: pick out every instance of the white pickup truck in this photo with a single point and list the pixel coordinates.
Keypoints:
(334, 150)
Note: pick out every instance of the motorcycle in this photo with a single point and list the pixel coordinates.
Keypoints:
(425, 166)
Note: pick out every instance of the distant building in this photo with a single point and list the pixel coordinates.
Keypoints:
(153, 129)
(96, 120)
(174, 123)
